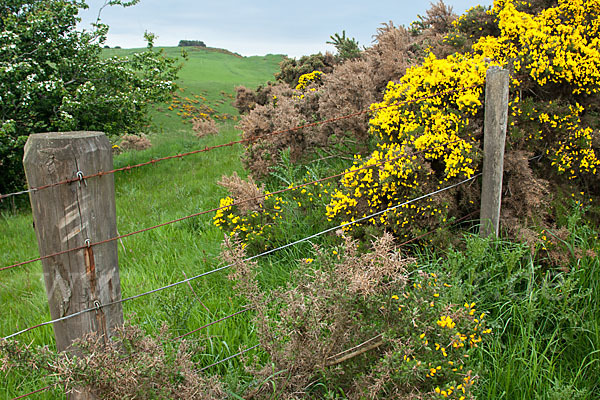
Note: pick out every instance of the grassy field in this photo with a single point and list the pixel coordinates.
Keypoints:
(145, 197)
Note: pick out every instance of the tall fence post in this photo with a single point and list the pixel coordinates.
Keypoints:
(73, 215)
(494, 138)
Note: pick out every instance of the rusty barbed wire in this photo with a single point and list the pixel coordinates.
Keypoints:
(238, 313)
(265, 196)
(36, 391)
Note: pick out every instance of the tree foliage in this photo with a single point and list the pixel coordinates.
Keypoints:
(54, 77)
(188, 43)
(346, 47)
(291, 69)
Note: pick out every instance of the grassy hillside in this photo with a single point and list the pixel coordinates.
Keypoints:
(212, 75)
(145, 197)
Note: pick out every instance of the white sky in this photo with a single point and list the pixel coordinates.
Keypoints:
(257, 27)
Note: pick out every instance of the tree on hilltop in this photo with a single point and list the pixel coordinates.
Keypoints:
(191, 43)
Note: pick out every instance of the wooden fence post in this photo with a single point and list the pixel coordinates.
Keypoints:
(72, 215)
(494, 138)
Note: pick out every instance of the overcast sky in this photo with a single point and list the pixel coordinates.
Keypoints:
(257, 27)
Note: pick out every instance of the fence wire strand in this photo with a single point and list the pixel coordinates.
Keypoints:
(345, 351)
(187, 280)
(229, 358)
(241, 141)
(213, 323)
(244, 311)
(36, 391)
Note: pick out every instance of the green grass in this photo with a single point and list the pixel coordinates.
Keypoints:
(145, 197)
(213, 75)
(546, 321)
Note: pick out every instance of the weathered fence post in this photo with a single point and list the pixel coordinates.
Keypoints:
(494, 138)
(73, 215)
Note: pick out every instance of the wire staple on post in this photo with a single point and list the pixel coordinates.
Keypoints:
(81, 178)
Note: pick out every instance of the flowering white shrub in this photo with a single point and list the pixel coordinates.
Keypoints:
(53, 77)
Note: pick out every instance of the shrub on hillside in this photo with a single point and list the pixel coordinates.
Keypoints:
(263, 220)
(247, 194)
(204, 127)
(348, 90)
(286, 110)
(391, 55)
(291, 69)
(134, 142)
(438, 139)
(340, 89)
(438, 20)
(246, 99)
(421, 141)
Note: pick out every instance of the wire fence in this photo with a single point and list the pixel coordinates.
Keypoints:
(458, 221)
(265, 253)
(82, 177)
(244, 310)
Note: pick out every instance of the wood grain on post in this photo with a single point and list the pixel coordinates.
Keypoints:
(67, 216)
(494, 138)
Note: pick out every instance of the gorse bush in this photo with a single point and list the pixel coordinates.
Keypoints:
(346, 88)
(305, 80)
(369, 325)
(131, 365)
(292, 69)
(438, 139)
(423, 144)
(419, 140)
(262, 220)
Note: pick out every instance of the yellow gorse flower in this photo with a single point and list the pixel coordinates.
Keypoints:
(306, 79)
(446, 322)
